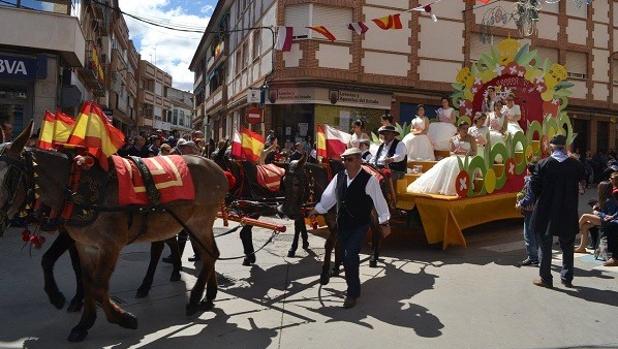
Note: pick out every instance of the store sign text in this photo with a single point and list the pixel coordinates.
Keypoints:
(17, 67)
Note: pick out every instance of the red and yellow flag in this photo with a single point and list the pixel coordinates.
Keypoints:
(320, 138)
(389, 22)
(325, 32)
(46, 135)
(63, 127)
(252, 145)
(94, 132)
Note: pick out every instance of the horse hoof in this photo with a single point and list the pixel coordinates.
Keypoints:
(373, 263)
(142, 292)
(207, 305)
(324, 278)
(77, 335)
(75, 305)
(291, 253)
(57, 299)
(128, 320)
(175, 276)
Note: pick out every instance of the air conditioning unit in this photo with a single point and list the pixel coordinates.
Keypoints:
(578, 76)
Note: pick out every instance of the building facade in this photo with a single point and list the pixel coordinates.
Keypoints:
(153, 104)
(33, 67)
(365, 76)
(181, 116)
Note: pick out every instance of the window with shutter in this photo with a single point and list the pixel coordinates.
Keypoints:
(547, 53)
(299, 17)
(335, 19)
(577, 65)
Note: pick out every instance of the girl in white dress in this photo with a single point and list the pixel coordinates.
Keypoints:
(440, 179)
(480, 132)
(417, 143)
(497, 124)
(358, 134)
(512, 112)
(441, 132)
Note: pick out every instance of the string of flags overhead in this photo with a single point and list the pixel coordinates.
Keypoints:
(285, 34)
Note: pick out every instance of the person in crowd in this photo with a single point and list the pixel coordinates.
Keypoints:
(440, 132)
(490, 99)
(609, 168)
(185, 147)
(165, 149)
(417, 142)
(6, 127)
(365, 144)
(555, 183)
(604, 210)
(155, 144)
(479, 132)
(387, 120)
(512, 112)
(358, 134)
(440, 179)
(356, 193)
(139, 148)
(271, 148)
(497, 125)
(525, 203)
(392, 153)
(299, 150)
(200, 145)
(197, 134)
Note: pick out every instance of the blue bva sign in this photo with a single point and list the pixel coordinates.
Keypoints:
(22, 68)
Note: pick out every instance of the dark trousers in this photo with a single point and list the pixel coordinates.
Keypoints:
(611, 232)
(566, 245)
(351, 241)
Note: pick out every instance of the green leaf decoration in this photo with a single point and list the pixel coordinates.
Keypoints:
(500, 149)
(476, 164)
(374, 138)
(546, 65)
(519, 139)
(564, 84)
(521, 53)
(461, 164)
(458, 86)
(563, 93)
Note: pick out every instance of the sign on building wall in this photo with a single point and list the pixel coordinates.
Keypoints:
(302, 95)
(23, 68)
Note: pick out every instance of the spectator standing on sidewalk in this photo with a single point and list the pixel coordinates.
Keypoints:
(526, 204)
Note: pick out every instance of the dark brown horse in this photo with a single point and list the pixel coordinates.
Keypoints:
(304, 184)
(99, 243)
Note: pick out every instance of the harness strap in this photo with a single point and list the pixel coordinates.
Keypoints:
(154, 196)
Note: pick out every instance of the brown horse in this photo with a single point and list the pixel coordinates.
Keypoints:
(99, 243)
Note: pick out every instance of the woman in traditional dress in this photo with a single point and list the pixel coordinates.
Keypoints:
(440, 179)
(489, 100)
(497, 124)
(512, 112)
(480, 132)
(440, 132)
(417, 143)
(358, 134)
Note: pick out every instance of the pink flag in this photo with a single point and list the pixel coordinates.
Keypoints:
(236, 145)
(336, 141)
(284, 38)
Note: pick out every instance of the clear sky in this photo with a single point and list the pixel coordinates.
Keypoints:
(173, 50)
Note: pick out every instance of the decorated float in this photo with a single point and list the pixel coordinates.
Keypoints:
(488, 183)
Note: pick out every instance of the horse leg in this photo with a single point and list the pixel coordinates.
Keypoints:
(376, 237)
(89, 312)
(211, 286)
(303, 231)
(62, 243)
(328, 250)
(338, 259)
(294, 247)
(172, 243)
(78, 300)
(246, 236)
(207, 247)
(156, 248)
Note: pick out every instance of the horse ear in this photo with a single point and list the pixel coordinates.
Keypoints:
(17, 146)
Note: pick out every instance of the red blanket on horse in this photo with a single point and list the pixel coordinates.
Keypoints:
(170, 173)
(374, 172)
(269, 176)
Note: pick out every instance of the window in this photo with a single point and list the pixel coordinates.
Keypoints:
(148, 85)
(306, 15)
(577, 65)
(175, 118)
(158, 113)
(238, 61)
(245, 55)
(257, 44)
(147, 110)
(615, 71)
(158, 89)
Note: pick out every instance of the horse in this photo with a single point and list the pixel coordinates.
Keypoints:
(304, 184)
(254, 201)
(99, 242)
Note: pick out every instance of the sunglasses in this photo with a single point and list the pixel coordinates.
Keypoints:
(351, 159)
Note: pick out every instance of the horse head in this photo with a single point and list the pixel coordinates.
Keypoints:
(296, 188)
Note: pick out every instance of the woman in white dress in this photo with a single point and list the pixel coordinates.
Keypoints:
(440, 132)
(440, 179)
(497, 124)
(417, 143)
(358, 134)
(480, 132)
(512, 112)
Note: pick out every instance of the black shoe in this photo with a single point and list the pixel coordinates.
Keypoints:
(291, 253)
(195, 258)
(305, 245)
(567, 284)
(248, 260)
(373, 263)
(349, 302)
(168, 259)
(528, 261)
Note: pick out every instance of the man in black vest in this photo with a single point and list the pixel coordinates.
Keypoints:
(555, 183)
(355, 192)
(392, 153)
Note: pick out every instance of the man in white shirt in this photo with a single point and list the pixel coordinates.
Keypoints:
(392, 153)
(356, 193)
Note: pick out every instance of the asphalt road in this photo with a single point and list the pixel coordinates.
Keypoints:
(418, 297)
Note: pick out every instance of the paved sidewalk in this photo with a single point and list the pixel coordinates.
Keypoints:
(419, 297)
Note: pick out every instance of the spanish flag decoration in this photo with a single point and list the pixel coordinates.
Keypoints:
(46, 135)
(320, 138)
(94, 132)
(325, 32)
(63, 128)
(389, 22)
(252, 145)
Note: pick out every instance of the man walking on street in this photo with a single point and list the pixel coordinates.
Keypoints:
(356, 193)
(555, 184)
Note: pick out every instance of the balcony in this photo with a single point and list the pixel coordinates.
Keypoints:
(94, 71)
(146, 96)
(216, 99)
(63, 34)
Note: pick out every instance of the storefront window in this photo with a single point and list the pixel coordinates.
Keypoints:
(13, 102)
(293, 123)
